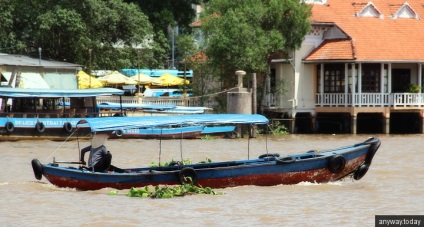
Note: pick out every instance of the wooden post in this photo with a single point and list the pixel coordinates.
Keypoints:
(254, 104)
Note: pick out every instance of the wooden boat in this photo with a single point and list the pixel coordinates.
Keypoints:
(166, 132)
(268, 169)
(177, 132)
(172, 132)
(154, 109)
(53, 114)
(219, 131)
(46, 113)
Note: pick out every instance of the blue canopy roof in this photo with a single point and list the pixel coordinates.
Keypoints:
(134, 106)
(104, 124)
(154, 108)
(158, 72)
(57, 93)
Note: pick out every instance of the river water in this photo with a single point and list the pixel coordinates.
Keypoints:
(393, 185)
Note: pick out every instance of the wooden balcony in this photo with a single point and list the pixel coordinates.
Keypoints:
(410, 100)
(396, 100)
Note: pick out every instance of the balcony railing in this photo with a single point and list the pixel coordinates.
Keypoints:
(370, 100)
(328, 99)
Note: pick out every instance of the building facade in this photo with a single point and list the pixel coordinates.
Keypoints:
(26, 72)
(359, 70)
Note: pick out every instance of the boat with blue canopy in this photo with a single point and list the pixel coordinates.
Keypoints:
(157, 109)
(53, 114)
(41, 113)
(269, 169)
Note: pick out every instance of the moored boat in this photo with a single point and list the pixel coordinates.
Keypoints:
(222, 131)
(174, 132)
(266, 170)
(53, 114)
(45, 113)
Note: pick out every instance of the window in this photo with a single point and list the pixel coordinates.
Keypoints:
(371, 77)
(334, 78)
(272, 79)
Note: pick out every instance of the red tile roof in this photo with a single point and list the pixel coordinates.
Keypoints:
(333, 49)
(373, 39)
(198, 57)
(196, 24)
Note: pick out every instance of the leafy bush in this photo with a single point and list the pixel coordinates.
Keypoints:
(174, 163)
(166, 192)
(275, 128)
(207, 137)
(413, 88)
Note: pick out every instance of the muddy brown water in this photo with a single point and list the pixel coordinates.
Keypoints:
(393, 185)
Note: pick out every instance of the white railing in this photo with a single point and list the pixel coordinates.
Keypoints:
(408, 99)
(370, 100)
(333, 99)
(116, 99)
(211, 103)
(270, 100)
(143, 100)
(328, 99)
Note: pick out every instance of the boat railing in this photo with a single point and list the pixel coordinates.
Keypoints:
(117, 99)
(69, 112)
(177, 101)
(57, 113)
(30, 115)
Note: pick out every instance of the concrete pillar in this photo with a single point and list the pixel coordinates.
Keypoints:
(239, 102)
(292, 122)
(354, 125)
(314, 122)
(387, 125)
(422, 124)
(240, 74)
(293, 126)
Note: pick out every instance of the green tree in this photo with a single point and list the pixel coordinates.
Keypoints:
(245, 34)
(165, 16)
(67, 30)
(185, 47)
(165, 13)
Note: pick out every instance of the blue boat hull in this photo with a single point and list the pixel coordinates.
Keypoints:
(41, 128)
(268, 170)
(184, 132)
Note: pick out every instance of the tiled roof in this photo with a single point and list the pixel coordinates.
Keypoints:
(376, 33)
(196, 24)
(333, 49)
(198, 57)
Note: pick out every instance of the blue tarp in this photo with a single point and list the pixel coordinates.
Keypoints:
(154, 108)
(121, 123)
(157, 72)
(57, 93)
(108, 105)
